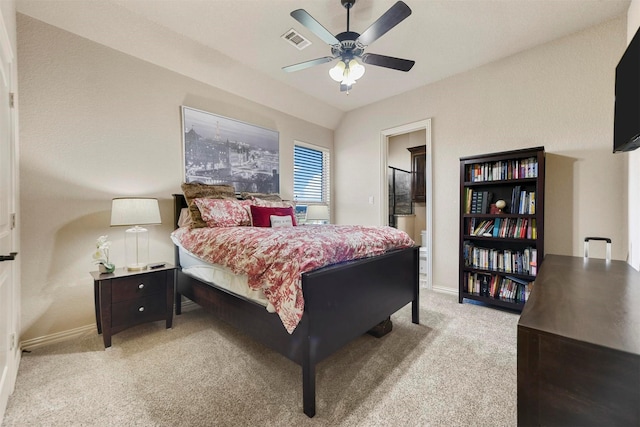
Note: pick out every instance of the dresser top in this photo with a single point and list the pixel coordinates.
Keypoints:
(586, 299)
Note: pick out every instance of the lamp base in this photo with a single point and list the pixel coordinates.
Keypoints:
(136, 267)
(136, 248)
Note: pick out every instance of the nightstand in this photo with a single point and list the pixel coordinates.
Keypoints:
(127, 298)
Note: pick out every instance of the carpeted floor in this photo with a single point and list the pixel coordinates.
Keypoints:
(457, 368)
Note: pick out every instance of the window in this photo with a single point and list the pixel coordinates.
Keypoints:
(311, 182)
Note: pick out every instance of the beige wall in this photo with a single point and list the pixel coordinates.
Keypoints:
(97, 124)
(558, 95)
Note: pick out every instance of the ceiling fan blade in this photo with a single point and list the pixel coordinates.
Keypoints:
(388, 61)
(392, 17)
(316, 28)
(308, 64)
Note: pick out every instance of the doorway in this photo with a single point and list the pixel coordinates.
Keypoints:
(425, 238)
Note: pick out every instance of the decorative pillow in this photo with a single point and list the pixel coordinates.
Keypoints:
(197, 190)
(281, 221)
(224, 212)
(274, 197)
(184, 220)
(261, 216)
(273, 203)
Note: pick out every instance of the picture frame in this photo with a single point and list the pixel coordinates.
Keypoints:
(221, 150)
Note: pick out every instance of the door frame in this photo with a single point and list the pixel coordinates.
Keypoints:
(9, 75)
(385, 134)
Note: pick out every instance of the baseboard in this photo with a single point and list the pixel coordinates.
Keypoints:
(444, 290)
(80, 332)
(58, 337)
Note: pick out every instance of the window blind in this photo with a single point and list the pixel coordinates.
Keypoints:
(311, 177)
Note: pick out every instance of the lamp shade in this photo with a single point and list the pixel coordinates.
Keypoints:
(347, 73)
(317, 213)
(134, 211)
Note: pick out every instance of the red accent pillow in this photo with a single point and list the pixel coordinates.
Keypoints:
(261, 216)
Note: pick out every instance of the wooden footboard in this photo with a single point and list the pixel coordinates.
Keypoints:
(342, 302)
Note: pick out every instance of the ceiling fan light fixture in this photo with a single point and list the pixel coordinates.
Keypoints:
(357, 70)
(347, 73)
(337, 72)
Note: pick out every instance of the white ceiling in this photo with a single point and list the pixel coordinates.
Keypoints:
(444, 37)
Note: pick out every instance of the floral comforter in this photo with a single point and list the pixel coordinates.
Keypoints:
(275, 258)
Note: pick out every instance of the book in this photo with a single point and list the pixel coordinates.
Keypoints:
(534, 232)
(484, 204)
(474, 202)
(518, 280)
(496, 227)
(515, 199)
(533, 264)
(523, 205)
(474, 231)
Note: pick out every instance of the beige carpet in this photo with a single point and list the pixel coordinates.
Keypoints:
(457, 368)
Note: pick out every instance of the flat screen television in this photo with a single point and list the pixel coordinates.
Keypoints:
(626, 126)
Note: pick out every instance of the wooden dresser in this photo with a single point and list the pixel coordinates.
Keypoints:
(579, 345)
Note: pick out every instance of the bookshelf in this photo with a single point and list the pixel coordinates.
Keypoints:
(501, 249)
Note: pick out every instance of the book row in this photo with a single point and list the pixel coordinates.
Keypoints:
(503, 169)
(508, 261)
(499, 287)
(523, 202)
(477, 202)
(512, 228)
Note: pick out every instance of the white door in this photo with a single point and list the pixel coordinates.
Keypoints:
(9, 294)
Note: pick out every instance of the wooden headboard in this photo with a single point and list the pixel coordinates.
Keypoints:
(179, 202)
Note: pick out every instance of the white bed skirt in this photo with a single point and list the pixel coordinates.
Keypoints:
(221, 277)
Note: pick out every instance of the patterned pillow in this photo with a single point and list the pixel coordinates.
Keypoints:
(194, 190)
(274, 197)
(224, 212)
(274, 203)
(261, 216)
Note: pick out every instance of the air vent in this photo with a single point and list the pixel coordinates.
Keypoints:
(296, 39)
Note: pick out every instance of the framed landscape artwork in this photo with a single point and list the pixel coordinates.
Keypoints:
(220, 150)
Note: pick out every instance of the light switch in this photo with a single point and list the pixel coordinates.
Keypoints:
(370, 200)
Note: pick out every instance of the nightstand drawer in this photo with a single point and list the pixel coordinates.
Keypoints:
(139, 310)
(127, 288)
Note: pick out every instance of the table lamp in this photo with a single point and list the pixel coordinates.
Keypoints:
(135, 211)
(317, 214)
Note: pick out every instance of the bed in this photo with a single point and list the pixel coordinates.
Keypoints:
(341, 303)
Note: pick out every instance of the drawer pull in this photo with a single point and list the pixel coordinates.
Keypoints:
(141, 309)
(141, 286)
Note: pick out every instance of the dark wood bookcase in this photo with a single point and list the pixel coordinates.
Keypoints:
(499, 262)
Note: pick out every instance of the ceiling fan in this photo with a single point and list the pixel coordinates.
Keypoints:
(349, 45)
